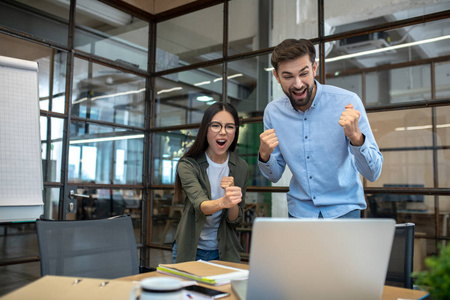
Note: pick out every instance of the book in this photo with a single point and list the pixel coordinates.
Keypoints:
(204, 272)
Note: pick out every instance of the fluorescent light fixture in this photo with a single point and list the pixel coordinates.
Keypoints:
(202, 83)
(421, 127)
(204, 98)
(108, 96)
(235, 75)
(362, 53)
(229, 77)
(107, 139)
(170, 90)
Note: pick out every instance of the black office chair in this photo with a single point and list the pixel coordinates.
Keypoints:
(103, 248)
(402, 257)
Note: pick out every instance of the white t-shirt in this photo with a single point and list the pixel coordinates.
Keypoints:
(208, 236)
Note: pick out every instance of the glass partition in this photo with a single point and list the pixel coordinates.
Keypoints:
(182, 98)
(105, 155)
(364, 14)
(249, 85)
(106, 94)
(405, 139)
(51, 161)
(190, 38)
(394, 46)
(44, 19)
(110, 33)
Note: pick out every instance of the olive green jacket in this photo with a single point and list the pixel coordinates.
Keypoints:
(196, 186)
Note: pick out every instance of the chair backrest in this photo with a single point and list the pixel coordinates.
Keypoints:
(104, 248)
(402, 257)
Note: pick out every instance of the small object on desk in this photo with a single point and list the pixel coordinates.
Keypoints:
(200, 292)
(158, 288)
(202, 271)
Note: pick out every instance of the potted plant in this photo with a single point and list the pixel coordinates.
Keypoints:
(436, 279)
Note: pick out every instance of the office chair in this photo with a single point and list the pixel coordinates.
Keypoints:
(402, 256)
(103, 248)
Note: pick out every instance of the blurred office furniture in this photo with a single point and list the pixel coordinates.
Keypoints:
(402, 257)
(103, 248)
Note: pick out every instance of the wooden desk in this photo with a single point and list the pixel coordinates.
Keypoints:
(389, 292)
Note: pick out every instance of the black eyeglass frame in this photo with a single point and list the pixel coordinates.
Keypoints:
(227, 127)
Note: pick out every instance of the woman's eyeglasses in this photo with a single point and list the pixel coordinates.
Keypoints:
(217, 127)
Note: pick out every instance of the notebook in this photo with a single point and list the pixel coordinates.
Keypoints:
(317, 259)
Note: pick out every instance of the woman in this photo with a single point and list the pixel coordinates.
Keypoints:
(212, 180)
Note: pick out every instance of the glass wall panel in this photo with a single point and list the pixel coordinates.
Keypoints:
(190, 38)
(344, 15)
(443, 144)
(168, 148)
(400, 45)
(249, 85)
(405, 139)
(101, 154)
(352, 83)
(108, 32)
(51, 203)
(104, 203)
(46, 59)
(106, 94)
(165, 216)
(51, 162)
(248, 147)
(182, 98)
(249, 26)
(442, 78)
(294, 19)
(44, 19)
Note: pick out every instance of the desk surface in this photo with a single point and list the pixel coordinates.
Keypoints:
(389, 292)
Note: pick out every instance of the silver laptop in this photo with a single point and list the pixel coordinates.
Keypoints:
(317, 259)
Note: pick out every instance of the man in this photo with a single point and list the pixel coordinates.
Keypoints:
(322, 133)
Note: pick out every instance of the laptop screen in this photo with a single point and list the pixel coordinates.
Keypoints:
(319, 258)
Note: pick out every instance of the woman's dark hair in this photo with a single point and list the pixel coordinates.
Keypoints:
(292, 49)
(201, 143)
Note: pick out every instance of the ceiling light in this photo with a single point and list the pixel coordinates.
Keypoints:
(363, 53)
(204, 98)
(202, 83)
(107, 139)
(169, 90)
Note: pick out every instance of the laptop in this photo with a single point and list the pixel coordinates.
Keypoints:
(317, 259)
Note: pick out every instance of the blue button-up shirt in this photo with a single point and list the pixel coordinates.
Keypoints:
(325, 166)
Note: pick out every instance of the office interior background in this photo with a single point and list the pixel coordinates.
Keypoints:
(123, 86)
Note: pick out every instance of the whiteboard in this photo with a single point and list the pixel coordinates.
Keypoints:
(21, 182)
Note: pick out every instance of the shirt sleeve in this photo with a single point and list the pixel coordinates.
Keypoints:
(272, 169)
(368, 158)
(189, 176)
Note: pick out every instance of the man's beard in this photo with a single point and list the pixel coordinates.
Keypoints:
(298, 103)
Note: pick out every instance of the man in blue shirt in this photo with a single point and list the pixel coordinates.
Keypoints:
(322, 133)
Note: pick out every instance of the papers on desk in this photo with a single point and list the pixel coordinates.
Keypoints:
(203, 271)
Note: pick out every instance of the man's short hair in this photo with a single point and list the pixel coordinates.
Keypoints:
(292, 49)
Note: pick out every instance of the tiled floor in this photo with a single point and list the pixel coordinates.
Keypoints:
(21, 241)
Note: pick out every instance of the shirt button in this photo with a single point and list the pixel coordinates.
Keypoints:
(307, 157)
(306, 119)
(314, 197)
(306, 137)
(310, 177)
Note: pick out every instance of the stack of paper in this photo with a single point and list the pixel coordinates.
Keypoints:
(203, 271)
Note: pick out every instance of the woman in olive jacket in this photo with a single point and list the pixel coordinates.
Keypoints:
(211, 179)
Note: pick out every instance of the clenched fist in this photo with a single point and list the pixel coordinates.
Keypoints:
(349, 120)
(269, 141)
(233, 195)
(227, 181)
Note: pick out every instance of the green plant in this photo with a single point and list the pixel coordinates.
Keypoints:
(436, 279)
